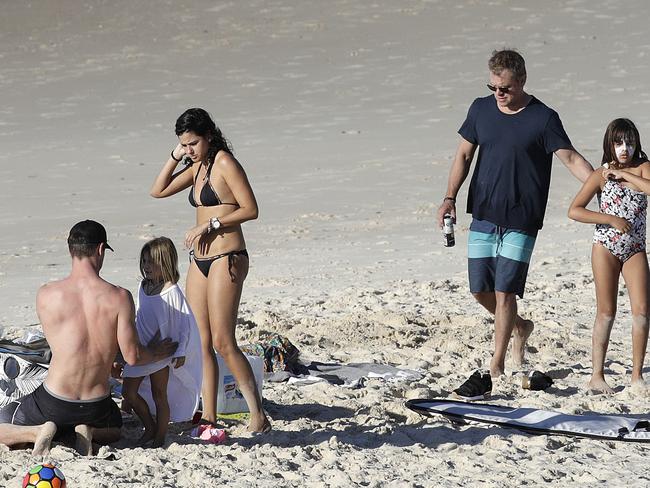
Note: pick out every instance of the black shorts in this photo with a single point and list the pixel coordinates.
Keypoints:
(41, 406)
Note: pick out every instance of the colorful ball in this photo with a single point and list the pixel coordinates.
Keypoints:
(44, 475)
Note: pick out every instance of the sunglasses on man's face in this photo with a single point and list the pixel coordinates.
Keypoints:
(503, 89)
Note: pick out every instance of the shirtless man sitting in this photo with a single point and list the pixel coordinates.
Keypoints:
(85, 320)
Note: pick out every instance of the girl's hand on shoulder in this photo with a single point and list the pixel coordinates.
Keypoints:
(178, 362)
(620, 224)
(614, 174)
(196, 232)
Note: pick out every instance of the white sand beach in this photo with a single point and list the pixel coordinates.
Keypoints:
(345, 117)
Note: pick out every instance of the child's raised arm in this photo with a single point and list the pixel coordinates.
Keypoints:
(578, 210)
(642, 182)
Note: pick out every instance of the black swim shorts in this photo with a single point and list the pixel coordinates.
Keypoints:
(41, 406)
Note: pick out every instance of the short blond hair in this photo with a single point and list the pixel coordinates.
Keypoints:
(163, 254)
(508, 59)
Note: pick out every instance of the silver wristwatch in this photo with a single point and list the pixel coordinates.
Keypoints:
(215, 223)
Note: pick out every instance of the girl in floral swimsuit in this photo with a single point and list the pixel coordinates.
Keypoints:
(618, 243)
(624, 202)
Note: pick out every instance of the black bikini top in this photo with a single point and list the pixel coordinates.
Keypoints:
(208, 196)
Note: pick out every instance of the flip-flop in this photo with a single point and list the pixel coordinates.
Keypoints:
(209, 433)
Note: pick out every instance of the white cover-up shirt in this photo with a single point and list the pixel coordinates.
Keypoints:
(169, 313)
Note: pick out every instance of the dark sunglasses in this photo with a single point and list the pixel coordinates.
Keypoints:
(502, 89)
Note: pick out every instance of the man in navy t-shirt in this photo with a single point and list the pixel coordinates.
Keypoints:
(516, 135)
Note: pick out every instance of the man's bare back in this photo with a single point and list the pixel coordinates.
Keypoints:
(80, 316)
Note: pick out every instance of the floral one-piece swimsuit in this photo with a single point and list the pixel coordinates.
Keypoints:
(630, 205)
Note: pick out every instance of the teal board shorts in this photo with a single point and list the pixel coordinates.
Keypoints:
(498, 257)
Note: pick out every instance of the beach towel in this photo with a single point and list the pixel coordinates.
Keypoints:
(35, 351)
(23, 367)
(167, 314)
(184, 384)
(352, 375)
(282, 364)
(537, 421)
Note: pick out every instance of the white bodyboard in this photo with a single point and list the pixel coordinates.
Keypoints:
(537, 421)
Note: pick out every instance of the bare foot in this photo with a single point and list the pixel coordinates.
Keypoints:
(84, 440)
(206, 419)
(44, 438)
(599, 386)
(260, 426)
(520, 335)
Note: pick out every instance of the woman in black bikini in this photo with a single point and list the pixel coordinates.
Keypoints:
(221, 193)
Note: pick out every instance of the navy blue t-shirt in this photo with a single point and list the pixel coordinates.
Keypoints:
(512, 177)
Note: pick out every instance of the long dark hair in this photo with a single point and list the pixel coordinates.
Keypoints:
(621, 130)
(199, 121)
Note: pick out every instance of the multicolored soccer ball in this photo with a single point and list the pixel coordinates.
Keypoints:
(44, 476)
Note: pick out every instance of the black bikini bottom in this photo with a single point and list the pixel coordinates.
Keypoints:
(204, 263)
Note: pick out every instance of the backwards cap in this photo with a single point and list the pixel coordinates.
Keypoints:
(88, 232)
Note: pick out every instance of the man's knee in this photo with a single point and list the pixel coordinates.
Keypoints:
(482, 296)
(505, 298)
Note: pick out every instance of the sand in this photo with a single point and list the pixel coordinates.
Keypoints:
(344, 114)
